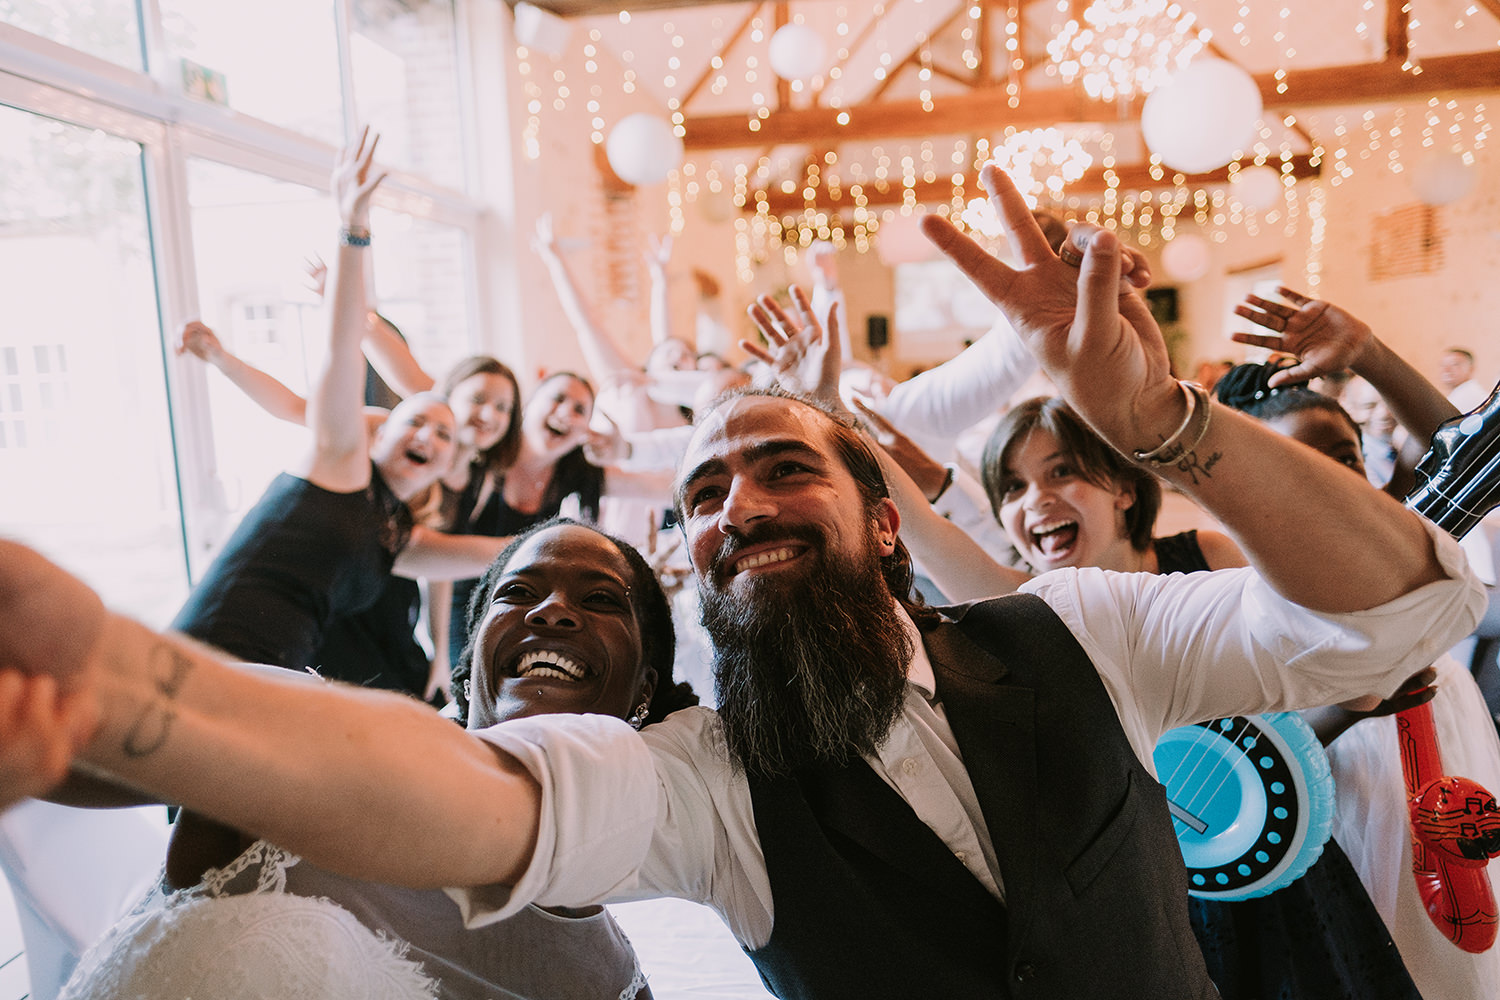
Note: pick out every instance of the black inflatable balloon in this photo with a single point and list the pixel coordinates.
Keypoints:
(1458, 480)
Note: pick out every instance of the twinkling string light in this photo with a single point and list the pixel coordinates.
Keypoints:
(836, 197)
(531, 145)
(1317, 233)
(1285, 52)
(1014, 64)
(1120, 48)
(1041, 161)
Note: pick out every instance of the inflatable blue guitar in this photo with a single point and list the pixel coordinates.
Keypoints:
(1252, 797)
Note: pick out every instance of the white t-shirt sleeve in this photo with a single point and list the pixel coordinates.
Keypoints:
(1182, 648)
(598, 810)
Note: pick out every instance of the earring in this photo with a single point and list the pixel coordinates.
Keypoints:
(638, 719)
(468, 696)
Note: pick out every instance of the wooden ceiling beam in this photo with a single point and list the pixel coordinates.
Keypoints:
(914, 57)
(781, 16)
(1135, 177)
(984, 110)
(1397, 28)
(853, 47)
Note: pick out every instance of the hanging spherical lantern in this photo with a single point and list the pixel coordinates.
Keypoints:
(1257, 187)
(1186, 257)
(1442, 177)
(643, 149)
(1202, 117)
(797, 52)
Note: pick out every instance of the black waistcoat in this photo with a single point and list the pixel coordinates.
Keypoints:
(870, 903)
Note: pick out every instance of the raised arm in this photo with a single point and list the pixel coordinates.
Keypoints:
(436, 555)
(391, 357)
(1319, 534)
(263, 389)
(801, 355)
(659, 253)
(273, 752)
(388, 352)
(606, 359)
(335, 408)
(1326, 338)
(951, 558)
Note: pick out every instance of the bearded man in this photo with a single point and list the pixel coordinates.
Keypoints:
(891, 801)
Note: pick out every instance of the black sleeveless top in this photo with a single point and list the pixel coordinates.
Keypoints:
(497, 519)
(1179, 553)
(302, 559)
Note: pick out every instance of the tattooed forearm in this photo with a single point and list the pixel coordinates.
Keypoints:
(169, 669)
(1191, 465)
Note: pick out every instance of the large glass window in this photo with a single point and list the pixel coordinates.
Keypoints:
(90, 470)
(421, 285)
(277, 60)
(109, 29)
(251, 235)
(85, 442)
(405, 63)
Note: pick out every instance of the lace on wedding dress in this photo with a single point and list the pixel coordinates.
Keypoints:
(260, 944)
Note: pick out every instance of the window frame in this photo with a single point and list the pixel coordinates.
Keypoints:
(48, 79)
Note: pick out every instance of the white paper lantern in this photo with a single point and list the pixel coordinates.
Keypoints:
(1441, 178)
(1186, 257)
(1257, 187)
(899, 240)
(797, 52)
(643, 149)
(1202, 117)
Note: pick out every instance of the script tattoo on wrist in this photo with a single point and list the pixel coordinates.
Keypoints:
(1191, 465)
(169, 669)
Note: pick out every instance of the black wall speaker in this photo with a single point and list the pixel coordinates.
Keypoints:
(1163, 304)
(877, 332)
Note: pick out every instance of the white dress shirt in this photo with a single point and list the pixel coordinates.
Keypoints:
(662, 813)
(936, 406)
(1468, 395)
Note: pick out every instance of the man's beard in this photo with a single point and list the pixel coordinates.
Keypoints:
(808, 668)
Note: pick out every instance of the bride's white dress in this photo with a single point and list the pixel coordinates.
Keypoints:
(270, 927)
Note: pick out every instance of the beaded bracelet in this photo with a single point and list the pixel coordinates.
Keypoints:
(354, 237)
(950, 470)
(1171, 450)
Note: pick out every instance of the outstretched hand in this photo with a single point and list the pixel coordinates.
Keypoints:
(355, 180)
(803, 357)
(1324, 337)
(1091, 333)
(662, 553)
(50, 620)
(659, 252)
(317, 274)
(608, 446)
(41, 730)
(544, 238)
(200, 341)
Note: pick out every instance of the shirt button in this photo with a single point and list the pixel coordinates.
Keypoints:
(909, 765)
(1025, 971)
